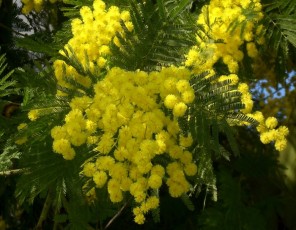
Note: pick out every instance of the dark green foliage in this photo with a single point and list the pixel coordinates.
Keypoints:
(249, 191)
(160, 38)
(236, 209)
(7, 87)
(281, 34)
(11, 26)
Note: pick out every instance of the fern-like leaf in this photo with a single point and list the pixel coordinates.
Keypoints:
(7, 86)
(280, 19)
(159, 37)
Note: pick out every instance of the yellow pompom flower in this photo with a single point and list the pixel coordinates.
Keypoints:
(90, 126)
(186, 157)
(175, 190)
(106, 143)
(158, 170)
(129, 26)
(252, 50)
(173, 167)
(100, 178)
(59, 132)
(63, 146)
(179, 109)
(271, 122)
(113, 185)
(183, 85)
(34, 114)
(154, 181)
(190, 169)
(280, 144)
(175, 151)
(78, 139)
(170, 101)
(92, 140)
(118, 171)
(283, 130)
(137, 211)
(188, 96)
(139, 219)
(89, 169)
(105, 162)
(125, 184)
(116, 196)
(69, 154)
(185, 141)
(267, 137)
(139, 196)
(152, 202)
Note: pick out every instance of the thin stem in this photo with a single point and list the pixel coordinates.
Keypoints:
(11, 172)
(115, 216)
(11, 30)
(45, 209)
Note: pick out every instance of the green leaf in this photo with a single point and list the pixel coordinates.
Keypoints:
(156, 215)
(146, 48)
(6, 87)
(36, 45)
(230, 137)
(60, 218)
(177, 10)
(186, 200)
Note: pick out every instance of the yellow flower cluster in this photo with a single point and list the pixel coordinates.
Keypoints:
(227, 25)
(268, 131)
(35, 5)
(126, 125)
(246, 97)
(266, 127)
(72, 133)
(92, 35)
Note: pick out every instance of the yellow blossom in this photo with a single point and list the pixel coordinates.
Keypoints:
(271, 122)
(140, 218)
(34, 114)
(170, 101)
(179, 109)
(154, 181)
(100, 178)
(89, 169)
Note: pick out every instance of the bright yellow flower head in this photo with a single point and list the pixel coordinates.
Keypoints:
(179, 109)
(170, 101)
(100, 178)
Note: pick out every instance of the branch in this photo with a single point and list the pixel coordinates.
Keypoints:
(11, 30)
(45, 210)
(115, 216)
(11, 172)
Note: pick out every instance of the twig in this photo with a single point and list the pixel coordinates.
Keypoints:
(45, 210)
(11, 172)
(11, 30)
(115, 216)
